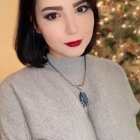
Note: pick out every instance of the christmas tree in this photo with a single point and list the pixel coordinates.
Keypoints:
(119, 38)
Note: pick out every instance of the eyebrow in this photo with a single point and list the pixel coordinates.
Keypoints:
(60, 8)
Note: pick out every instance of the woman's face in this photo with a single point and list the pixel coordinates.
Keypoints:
(64, 21)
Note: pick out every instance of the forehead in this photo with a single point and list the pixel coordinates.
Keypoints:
(42, 3)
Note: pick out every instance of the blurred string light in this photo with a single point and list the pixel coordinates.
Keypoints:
(138, 32)
(124, 26)
(138, 8)
(125, 15)
(110, 35)
(101, 23)
(99, 42)
(106, 19)
(100, 4)
(134, 13)
(113, 9)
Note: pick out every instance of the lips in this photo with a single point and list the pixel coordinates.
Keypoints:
(74, 43)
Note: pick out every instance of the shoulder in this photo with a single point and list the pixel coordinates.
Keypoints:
(99, 61)
(110, 76)
(103, 66)
(22, 73)
(24, 82)
(23, 77)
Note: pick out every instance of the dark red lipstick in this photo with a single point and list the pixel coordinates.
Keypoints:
(74, 43)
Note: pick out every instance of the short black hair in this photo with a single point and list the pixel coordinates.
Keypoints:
(30, 46)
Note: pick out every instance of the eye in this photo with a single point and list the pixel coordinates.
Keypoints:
(52, 16)
(83, 8)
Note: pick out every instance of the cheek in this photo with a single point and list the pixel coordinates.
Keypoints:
(51, 32)
(88, 23)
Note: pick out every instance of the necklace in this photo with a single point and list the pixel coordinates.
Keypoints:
(82, 95)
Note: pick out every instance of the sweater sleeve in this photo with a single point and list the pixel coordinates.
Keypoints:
(13, 125)
(116, 118)
(126, 88)
(129, 109)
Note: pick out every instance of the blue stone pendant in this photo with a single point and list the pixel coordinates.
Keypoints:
(83, 98)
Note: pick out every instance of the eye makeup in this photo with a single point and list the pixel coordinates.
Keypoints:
(55, 15)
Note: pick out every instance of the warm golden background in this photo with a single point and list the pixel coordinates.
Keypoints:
(8, 60)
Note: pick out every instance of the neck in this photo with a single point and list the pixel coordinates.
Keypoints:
(72, 68)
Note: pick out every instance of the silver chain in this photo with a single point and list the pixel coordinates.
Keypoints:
(77, 86)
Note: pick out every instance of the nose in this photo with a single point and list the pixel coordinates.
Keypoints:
(71, 25)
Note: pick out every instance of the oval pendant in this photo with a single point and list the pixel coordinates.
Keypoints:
(83, 98)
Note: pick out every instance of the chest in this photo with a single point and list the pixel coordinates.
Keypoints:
(55, 112)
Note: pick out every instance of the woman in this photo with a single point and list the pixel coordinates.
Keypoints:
(64, 93)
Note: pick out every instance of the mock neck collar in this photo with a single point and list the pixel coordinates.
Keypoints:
(71, 67)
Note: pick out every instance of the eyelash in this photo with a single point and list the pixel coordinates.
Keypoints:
(55, 15)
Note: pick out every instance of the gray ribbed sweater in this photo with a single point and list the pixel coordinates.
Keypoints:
(38, 104)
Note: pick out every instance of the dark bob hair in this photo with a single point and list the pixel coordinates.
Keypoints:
(31, 48)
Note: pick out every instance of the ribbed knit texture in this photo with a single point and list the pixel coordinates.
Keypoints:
(38, 104)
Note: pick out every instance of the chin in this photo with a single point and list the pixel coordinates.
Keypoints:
(76, 54)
